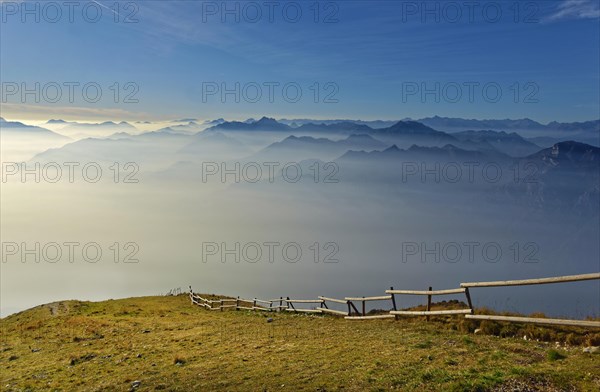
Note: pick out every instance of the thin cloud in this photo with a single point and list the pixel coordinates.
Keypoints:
(110, 9)
(575, 9)
(40, 112)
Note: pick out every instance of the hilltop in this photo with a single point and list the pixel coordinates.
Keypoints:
(165, 343)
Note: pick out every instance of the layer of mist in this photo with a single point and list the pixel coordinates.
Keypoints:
(267, 210)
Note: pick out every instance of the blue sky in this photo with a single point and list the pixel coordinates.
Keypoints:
(370, 53)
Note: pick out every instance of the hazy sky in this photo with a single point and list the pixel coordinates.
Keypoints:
(372, 53)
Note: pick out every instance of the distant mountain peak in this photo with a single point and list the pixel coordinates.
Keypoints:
(568, 151)
(571, 144)
(412, 126)
(15, 127)
(451, 147)
(264, 124)
(267, 120)
(217, 121)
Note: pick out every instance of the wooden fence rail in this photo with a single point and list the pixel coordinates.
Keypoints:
(430, 293)
(557, 279)
(526, 282)
(533, 320)
(325, 308)
(353, 313)
(362, 315)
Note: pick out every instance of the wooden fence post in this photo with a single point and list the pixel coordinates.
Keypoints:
(364, 303)
(221, 304)
(428, 303)
(237, 303)
(323, 304)
(354, 307)
(394, 303)
(468, 295)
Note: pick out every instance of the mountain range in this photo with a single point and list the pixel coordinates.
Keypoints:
(564, 177)
(15, 128)
(457, 124)
(295, 149)
(403, 133)
(566, 174)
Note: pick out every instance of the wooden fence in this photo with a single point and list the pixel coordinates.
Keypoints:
(354, 313)
(176, 291)
(429, 293)
(361, 315)
(534, 320)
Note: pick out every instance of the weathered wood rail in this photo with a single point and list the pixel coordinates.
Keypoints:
(533, 320)
(430, 293)
(353, 313)
(326, 309)
(556, 279)
(362, 314)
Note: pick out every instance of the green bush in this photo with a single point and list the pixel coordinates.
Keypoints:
(554, 355)
(490, 327)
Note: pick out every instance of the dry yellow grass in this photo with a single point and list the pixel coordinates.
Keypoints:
(167, 344)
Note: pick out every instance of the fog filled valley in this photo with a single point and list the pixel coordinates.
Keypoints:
(300, 208)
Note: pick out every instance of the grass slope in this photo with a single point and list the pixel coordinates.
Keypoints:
(165, 343)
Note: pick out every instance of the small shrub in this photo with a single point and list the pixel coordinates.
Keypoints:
(466, 325)
(574, 340)
(593, 339)
(534, 332)
(508, 330)
(554, 355)
(427, 376)
(426, 344)
(84, 358)
(468, 341)
(490, 327)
